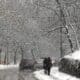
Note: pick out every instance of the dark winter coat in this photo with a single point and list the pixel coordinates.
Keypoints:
(47, 63)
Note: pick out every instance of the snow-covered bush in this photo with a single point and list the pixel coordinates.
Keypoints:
(71, 64)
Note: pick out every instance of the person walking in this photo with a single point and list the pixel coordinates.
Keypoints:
(47, 64)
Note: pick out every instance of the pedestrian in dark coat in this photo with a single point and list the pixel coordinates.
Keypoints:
(47, 64)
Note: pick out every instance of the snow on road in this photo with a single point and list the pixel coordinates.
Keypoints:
(8, 66)
(9, 72)
(55, 75)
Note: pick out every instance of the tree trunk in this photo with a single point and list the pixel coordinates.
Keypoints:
(70, 41)
(5, 59)
(76, 38)
(61, 48)
(33, 55)
(63, 21)
(15, 57)
(0, 58)
(22, 53)
(77, 42)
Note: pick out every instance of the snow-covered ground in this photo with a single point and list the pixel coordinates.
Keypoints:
(8, 66)
(9, 72)
(55, 75)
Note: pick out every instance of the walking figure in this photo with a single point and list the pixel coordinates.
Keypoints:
(47, 64)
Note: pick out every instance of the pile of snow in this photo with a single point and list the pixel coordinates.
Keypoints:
(10, 66)
(75, 55)
(62, 76)
(41, 76)
(55, 75)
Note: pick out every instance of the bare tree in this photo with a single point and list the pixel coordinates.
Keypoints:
(15, 51)
(21, 46)
(62, 18)
(5, 58)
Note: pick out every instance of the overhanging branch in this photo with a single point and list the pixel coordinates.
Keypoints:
(55, 29)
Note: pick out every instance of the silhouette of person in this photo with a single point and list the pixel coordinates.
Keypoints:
(47, 64)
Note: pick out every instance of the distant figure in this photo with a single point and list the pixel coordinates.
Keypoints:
(47, 64)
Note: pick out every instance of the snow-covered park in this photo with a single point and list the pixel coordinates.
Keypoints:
(11, 72)
(10, 66)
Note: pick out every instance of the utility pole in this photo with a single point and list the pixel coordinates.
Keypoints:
(61, 51)
(61, 18)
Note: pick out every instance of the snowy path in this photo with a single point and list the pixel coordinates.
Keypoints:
(55, 75)
(41, 76)
(26, 75)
